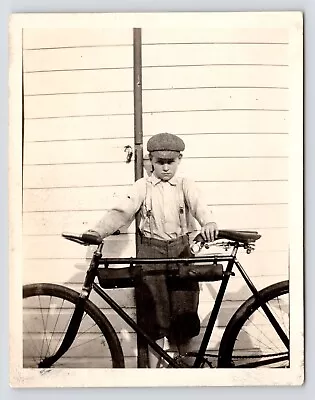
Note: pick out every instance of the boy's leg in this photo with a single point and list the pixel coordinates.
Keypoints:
(184, 301)
(152, 298)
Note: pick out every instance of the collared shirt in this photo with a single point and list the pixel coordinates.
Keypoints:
(165, 208)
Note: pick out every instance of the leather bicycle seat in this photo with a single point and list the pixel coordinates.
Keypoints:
(237, 236)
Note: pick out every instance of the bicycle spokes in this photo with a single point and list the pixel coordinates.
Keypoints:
(45, 321)
(258, 344)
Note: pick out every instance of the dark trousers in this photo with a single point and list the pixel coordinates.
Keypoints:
(166, 308)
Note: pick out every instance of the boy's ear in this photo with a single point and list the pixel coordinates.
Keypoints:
(180, 156)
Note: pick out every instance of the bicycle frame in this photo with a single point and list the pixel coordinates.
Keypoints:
(90, 285)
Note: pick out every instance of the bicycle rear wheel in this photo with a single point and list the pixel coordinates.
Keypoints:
(47, 310)
(250, 340)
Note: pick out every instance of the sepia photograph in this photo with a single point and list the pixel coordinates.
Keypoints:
(156, 186)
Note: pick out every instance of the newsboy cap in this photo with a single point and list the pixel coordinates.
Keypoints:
(165, 145)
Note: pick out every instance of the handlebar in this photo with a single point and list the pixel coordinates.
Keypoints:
(245, 237)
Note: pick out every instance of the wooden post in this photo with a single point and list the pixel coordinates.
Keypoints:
(138, 149)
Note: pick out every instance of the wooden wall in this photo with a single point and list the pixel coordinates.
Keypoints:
(225, 92)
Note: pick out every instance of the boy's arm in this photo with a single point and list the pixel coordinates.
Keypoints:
(199, 209)
(123, 212)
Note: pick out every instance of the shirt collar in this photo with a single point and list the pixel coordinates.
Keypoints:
(155, 180)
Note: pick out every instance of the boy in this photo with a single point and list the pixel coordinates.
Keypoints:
(166, 203)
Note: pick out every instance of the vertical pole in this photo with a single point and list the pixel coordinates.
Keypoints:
(138, 133)
(138, 149)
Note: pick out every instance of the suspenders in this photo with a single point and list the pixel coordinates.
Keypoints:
(148, 215)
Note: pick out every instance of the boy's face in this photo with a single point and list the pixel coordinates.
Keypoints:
(165, 168)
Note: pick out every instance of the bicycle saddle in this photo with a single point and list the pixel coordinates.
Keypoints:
(237, 236)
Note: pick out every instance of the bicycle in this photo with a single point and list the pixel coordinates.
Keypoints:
(266, 310)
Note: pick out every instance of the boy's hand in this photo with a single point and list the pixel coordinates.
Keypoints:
(94, 233)
(209, 232)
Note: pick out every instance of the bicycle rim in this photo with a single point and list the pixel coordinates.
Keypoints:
(250, 340)
(47, 310)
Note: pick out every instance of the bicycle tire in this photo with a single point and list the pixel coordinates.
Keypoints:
(248, 319)
(42, 301)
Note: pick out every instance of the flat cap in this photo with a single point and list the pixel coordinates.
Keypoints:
(165, 145)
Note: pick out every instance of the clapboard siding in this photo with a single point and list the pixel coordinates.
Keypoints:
(215, 35)
(225, 92)
(53, 83)
(77, 175)
(100, 174)
(111, 126)
(214, 54)
(63, 128)
(62, 105)
(98, 81)
(63, 59)
(34, 246)
(228, 216)
(52, 38)
(58, 38)
(102, 197)
(112, 150)
(225, 121)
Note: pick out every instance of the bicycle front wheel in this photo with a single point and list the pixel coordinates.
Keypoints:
(250, 340)
(47, 310)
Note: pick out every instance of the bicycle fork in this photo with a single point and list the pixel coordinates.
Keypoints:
(69, 336)
(76, 318)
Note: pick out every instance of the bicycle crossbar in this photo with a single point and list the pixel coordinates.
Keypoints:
(186, 260)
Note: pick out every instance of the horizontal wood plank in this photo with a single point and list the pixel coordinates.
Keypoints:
(75, 37)
(106, 150)
(228, 217)
(78, 58)
(101, 127)
(174, 54)
(54, 246)
(63, 105)
(216, 121)
(111, 126)
(213, 35)
(200, 170)
(52, 82)
(161, 78)
(43, 246)
(200, 54)
(215, 76)
(100, 197)
(78, 175)
(215, 99)
(112, 150)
